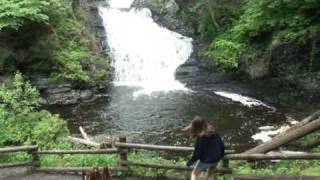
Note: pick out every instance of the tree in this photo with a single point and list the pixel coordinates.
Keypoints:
(15, 13)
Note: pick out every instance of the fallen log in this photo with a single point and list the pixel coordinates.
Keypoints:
(305, 127)
(84, 134)
(88, 142)
(84, 142)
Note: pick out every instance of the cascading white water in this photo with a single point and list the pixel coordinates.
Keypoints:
(144, 54)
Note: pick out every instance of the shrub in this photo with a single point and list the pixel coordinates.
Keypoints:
(22, 122)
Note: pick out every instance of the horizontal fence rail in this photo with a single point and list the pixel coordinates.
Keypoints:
(18, 149)
(17, 164)
(302, 156)
(75, 169)
(93, 151)
(165, 166)
(160, 147)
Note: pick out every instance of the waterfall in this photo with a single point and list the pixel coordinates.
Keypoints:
(143, 54)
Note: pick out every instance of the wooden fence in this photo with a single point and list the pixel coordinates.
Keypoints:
(122, 148)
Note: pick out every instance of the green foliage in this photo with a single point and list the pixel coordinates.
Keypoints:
(79, 160)
(50, 132)
(225, 52)
(15, 157)
(293, 17)
(72, 51)
(21, 98)
(296, 168)
(261, 23)
(21, 122)
(51, 38)
(15, 13)
(152, 172)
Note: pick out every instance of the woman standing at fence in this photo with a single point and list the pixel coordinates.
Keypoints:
(209, 147)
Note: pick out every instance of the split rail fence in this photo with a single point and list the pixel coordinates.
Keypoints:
(122, 148)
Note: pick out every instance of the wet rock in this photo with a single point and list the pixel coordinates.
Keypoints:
(86, 94)
(165, 13)
(43, 101)
(171, 7)
(64, 98)
(260, 68)
(54, 93)
(186, 71)
(60, 89)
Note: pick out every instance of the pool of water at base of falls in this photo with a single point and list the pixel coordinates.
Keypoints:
(157, 118)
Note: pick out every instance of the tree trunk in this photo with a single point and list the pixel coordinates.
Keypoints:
(211, 5)
(305, 127)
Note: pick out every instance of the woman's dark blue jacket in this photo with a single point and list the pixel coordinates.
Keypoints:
(208, 149)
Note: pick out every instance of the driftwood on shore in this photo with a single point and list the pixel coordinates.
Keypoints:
(308, 125)
(85, 140)
(84, 134)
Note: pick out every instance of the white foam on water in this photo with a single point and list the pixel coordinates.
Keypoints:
(246, 101)
(267, 133)
(144, 54)
(265, 128)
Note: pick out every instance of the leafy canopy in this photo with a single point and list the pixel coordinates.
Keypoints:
(15, 13)
(50, 37)
(261, 23)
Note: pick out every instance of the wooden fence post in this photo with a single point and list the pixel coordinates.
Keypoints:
(35, 156)
(225, 163)
(123, 154)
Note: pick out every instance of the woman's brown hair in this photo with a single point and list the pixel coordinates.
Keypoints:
(199, 127)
